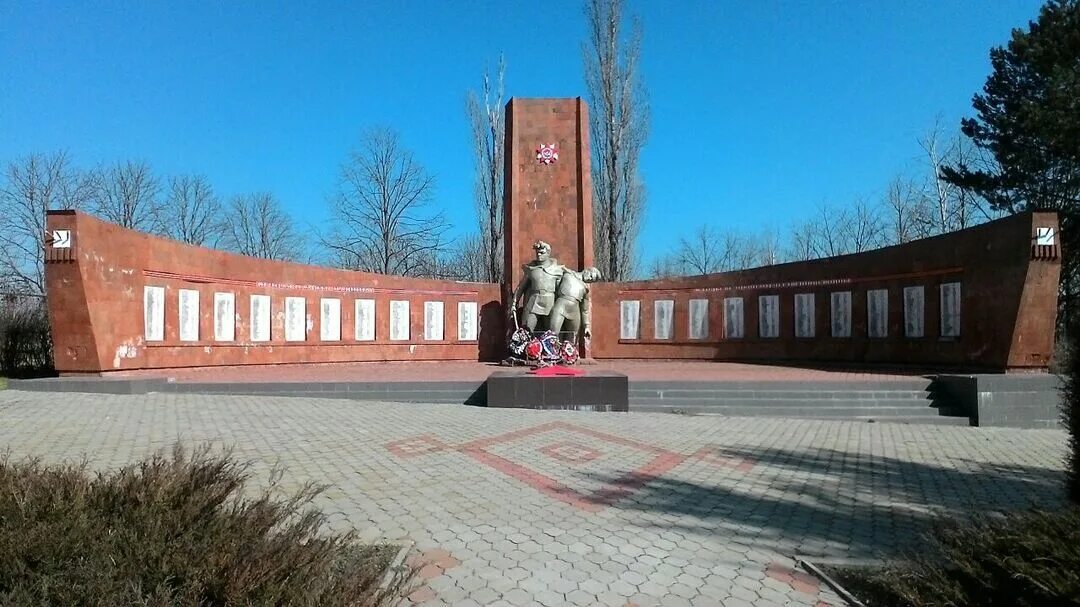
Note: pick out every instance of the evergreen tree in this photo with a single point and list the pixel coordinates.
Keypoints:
(1027, 127)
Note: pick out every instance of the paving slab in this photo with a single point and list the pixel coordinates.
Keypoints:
(523, 507)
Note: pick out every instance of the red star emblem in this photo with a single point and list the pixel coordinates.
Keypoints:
(547, 154)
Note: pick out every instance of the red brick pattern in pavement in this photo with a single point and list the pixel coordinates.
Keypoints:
(801, 582)
(571, 453)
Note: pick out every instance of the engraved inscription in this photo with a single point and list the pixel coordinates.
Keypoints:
(629, 319)
(769, 316)
(330, 319)
(189, 315)
(260, 318)
(433, 320)
(804, 315)
(877, 313)
(224, 317)
(295, 319)
(841, 314)
(399, 320)
(662, 319)
(467, 326)
(699, 318)
(914, 301)
(154, 313)
(733, 318)
(365, 319)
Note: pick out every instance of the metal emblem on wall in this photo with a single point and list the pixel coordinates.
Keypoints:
(547, 153)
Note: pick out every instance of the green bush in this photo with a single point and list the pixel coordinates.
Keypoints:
(1070, 415)
(175, 531)
(25, 339)
(1022, 560)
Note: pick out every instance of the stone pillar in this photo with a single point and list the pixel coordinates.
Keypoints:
(549, 202)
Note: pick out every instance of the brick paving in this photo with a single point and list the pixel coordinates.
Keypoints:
(519, 507)
(636, 370)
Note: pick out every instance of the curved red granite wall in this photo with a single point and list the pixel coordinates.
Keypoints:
(96, 305)
(1008, 304)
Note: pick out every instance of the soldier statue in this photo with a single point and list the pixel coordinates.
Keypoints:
(571, 310)
(538, 287)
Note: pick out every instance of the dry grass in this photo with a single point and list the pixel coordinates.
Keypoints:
(1025, 560)
(174, 530)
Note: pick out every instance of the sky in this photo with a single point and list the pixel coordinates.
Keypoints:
(761, 110)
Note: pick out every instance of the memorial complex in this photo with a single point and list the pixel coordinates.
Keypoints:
(980, 300)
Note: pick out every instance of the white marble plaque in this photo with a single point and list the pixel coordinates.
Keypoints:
(295, 319)
(699, 318)
(224, 317)
(950, 309)
(840, 314)
(433, 320)
(804, 315)
(877, 313)
(629, 319)
(399, 320)
(154, 313)
(466, 320)
(189, 315)
(663, 317)
(733, 318)
(330, 319)
(914, 311)
(769, 316)
(365, 320)
(260, 318)
(1044, 236)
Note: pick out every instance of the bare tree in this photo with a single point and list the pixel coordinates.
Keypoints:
(702, 253)
(909, 215)
(259, 227)
(864, 228)
(829, 231)
(126, 193)
(954, 207)
(191, 212)
(767, 249)
(379, 210)
(31, 186)
(803, 243)
(486, 118)
(464, 260)
(618, 126)
(665, 266)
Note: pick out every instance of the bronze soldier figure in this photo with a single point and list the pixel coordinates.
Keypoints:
(571, 310)
(538, 288)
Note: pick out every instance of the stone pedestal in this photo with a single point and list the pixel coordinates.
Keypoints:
(598, 390)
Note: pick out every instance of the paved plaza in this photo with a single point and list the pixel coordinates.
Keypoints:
(518, 507)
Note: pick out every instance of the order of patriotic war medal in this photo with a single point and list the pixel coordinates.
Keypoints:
(547, 154)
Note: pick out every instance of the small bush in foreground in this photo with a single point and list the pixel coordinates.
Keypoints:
(1070, 416)
(25, 339)
(174, 531)
(1019, 561)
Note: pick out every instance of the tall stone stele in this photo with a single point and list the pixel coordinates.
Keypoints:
(547, 201)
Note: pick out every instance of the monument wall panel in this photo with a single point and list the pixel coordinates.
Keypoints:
(115, 304)
(989, 300)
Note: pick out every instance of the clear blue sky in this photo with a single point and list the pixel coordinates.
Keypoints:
(760, 109)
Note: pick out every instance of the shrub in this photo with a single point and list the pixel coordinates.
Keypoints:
(175, 531)
(25, 339)
(1070, 415)
(1023, 560)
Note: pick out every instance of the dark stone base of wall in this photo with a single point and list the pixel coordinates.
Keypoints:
(1009, 401)
(593, 391)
